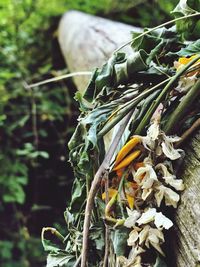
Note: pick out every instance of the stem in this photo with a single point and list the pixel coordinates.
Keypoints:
(77, 262)
(123, 110)
(155, 103)
(180, 111)
(188, 132)
(104, 167)
(107, 240)
(155, 28)
(53, 231)
(69, 75)
(119, 191)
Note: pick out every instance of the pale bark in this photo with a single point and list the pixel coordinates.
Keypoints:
(186, 243)
(87, 42)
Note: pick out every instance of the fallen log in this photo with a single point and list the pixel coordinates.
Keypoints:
(86, 43)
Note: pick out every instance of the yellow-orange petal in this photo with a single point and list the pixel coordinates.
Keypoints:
(119, 173)
(138, 165)
(130, 200)
(126, 161)
(127, 148)
(111, 192)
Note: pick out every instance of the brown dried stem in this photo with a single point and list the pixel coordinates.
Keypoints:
(103, 169)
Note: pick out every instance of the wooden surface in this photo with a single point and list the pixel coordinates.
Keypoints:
(86, 43)
(186, 243)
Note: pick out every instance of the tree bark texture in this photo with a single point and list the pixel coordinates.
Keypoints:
(186, 242)
(86, 43)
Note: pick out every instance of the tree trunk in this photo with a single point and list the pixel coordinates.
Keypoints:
(186, 243)
(87, 42)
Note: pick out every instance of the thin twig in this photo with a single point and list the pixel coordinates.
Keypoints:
(106, 253)
(104, 167)
(188, 132)
(65, 76)
(78, 261)
(155, 28)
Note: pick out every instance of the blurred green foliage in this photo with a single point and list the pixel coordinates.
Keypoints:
(36, 124)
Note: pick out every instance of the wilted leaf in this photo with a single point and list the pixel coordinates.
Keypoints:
(61, 259)
(190, 50)
(160, 262)
(185, 8)
(119, 239)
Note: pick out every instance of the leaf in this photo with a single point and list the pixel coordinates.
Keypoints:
(159, 262)
(185, 8)
(156, 43)
(15, 193)
(97, 237)
(78, 194)
(69, 217)
(116, 71)
(61, 259)
(182, 9)
(49, 246)
(119, 238)
(190, 50)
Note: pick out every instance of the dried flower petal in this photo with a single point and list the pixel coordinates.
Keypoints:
(170, 178)
(168, 149)
(145, 176)
(171, 197)
(133, 237)
(162, 221)
(133, 215)
(147, 216)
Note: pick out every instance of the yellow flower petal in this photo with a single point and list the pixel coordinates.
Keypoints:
(183, 61)
(130, 201)
(111, 192)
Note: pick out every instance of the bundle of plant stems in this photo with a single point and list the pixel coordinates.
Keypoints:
(125, 150)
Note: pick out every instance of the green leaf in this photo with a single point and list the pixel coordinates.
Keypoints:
(97, 236)
(15, 193)
(185, 8)
(159, 262)
(49, 246)
(118, 70)
(190, 50)
(119, 238)
(61, 259)
(182, 9)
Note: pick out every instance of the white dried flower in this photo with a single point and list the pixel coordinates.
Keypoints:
(147, 216)
(171, 197)
(151, 236)
(170, 178)
(133, 215)
(145, 176)
(161, 221)
(168, 148)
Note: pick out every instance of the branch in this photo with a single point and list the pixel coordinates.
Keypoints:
(104, 167)
(107, 240)
(188, 132)
(55, 79)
